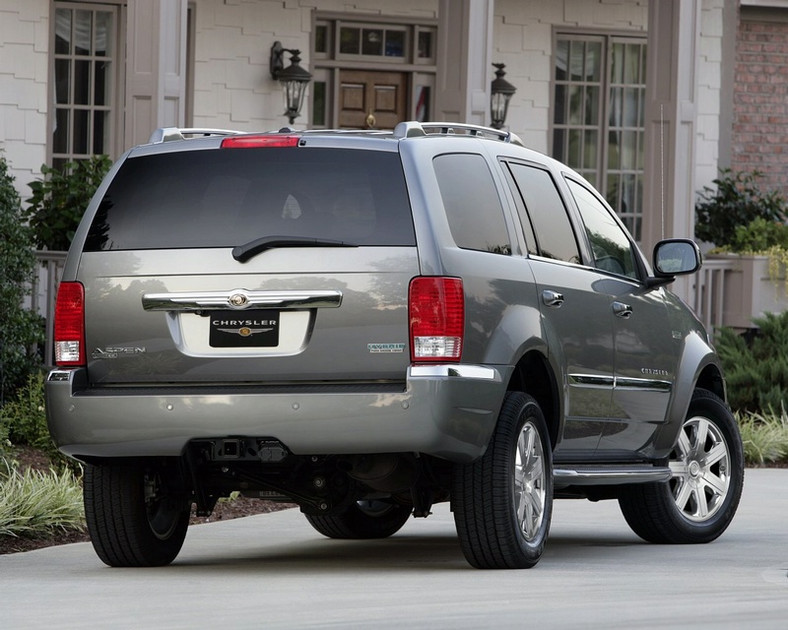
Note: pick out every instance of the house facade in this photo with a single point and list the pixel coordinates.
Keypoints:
(646, 98)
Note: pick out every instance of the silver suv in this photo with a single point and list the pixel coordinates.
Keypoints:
(368, 323)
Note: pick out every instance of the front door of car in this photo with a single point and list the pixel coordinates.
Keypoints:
(645, 350)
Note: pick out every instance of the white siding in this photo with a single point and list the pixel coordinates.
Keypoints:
(24, 46)
(233, 38)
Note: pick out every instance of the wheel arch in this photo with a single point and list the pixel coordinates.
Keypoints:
(533, 375)
(701, 369)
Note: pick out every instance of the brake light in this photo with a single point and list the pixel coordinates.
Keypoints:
(437, 319)
(70, 325)
(256, 142)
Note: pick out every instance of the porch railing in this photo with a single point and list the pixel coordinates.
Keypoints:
(44, 290)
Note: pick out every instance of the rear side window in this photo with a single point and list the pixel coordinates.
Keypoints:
(470, 198)
(546, 212)
(228, 197)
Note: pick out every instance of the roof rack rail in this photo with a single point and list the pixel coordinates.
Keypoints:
(168, 134)
(412, 128)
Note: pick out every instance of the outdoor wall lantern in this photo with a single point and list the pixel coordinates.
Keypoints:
(294, 79)
(501, 92)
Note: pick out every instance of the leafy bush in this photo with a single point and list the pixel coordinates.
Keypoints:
(21, 331)
(60, 200)
(756, 369)
(33, 503)
(23, 421)
(736, 201)
(759, 236)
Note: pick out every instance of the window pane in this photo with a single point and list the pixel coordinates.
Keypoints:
(100, 129)
(101, 82)
(81, 82)
(326, 193)
(321, 38)
(373, 42)
(470, 198)
(575, 148)
(592, 105)
(611, 248)
(81, 131)
(423, 104)
(590, 149)
(559, 109)
(82, 32)
(395, 43)
(425, 44)
(617, 63)
(593, 61)
(559, 139)
(102, 44)
(319, 103)
(62, 80)
(561, 60)
(577, 50)
(349, 40)
(575, 104)
(62, 31)
(61, 134)
(547, 213)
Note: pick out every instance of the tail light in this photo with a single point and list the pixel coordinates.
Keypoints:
(259, 141)
(437, 319)
(70, 325)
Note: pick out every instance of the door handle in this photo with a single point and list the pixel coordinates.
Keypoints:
(622, 310)
(552, 298)
(370, 120)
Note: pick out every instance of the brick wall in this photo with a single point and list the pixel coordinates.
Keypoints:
(760, 120)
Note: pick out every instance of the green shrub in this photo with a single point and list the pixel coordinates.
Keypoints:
(736, 201)
(21, 331)
(60, 199)
(36, 504)
(756, 371)
(24, 423)
(765, 437)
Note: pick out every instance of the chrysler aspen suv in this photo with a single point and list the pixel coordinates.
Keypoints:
(369, 323)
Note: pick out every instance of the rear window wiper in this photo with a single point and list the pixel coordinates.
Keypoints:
(242, 253)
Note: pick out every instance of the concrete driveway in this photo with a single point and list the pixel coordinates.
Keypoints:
(274, 571)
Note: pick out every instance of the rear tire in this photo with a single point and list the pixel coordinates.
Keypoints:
(363, 520)
(503, 502)
(699, 501)
(136, 517)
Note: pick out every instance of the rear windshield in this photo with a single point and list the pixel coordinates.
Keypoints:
(228, 197)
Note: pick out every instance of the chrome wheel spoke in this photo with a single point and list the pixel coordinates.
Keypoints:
(699, 465)
(529, 482)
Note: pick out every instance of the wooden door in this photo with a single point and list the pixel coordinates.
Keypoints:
(371, 99)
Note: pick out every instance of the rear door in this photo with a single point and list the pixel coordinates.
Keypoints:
(575, 306)
(275, 265)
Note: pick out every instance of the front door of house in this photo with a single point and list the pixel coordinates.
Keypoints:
(371, 99)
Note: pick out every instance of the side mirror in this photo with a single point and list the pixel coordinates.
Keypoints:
(676, 256)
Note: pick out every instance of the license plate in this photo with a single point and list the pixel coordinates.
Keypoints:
(247, 329)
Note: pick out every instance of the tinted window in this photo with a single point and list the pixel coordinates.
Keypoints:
(609, 243)
(471, 201)
(228, 197)
(545, 209)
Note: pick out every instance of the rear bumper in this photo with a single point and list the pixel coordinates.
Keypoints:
(444, 410)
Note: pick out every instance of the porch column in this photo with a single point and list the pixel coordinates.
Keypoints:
(155, 68)
(671, 99)
(465, 29)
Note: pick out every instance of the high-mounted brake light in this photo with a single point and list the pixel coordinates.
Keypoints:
(437, 319)
(256, 142)
(69, 330)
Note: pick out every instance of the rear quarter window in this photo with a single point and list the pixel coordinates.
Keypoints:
(228, 197)
(471, 201)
